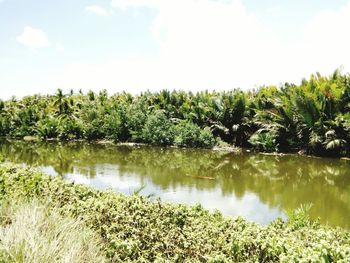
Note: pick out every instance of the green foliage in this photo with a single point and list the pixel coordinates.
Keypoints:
(136, 119)
(264, 141)
(5, 127)
(136, 229)
(191, 135)
(115, 125)
(292, 117)
(70, 128)
(299, 218)
(47, 128)
(93, 121)
(206, 138)
(158, 129)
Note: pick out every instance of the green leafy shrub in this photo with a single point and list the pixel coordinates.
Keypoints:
(189, 134)
(93, 118)
(70, 128)
(5, 127)
(48, 128)
(206, 138)
(137, 117)
(311, 117)
(264, 141)
(136, 229)
(158, 129)
(115, 125)
(94, 130)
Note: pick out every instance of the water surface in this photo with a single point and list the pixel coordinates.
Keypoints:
(258, 187)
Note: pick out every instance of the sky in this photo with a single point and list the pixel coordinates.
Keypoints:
(139, 45)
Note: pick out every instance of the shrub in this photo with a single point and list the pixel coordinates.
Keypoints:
(70, 128)
(48, 128)
(158, 129)
(264, 141)
(93, 130)
(189, 134)
(5, 126)
(93, 118)
(137, 117)
(136, 229)
(115, 125)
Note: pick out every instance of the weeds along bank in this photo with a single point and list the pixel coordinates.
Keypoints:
(134, 228)
(313, 117)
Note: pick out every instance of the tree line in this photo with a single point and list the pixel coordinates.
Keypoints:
(312, 117)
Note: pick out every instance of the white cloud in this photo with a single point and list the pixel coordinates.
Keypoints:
(32, 37)
(273, 9)
(97, 10)
(133, 75)
(216, 45)
(59, 47)
(325, 40)
(203, 45)
(219, 44)
(124, 4)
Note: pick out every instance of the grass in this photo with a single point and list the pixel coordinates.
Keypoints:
(137, 229)
(31, 232)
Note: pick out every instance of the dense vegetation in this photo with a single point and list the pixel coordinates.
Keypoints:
(313, 116)
(138, 229)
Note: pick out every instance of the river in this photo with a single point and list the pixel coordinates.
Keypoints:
(257, 187)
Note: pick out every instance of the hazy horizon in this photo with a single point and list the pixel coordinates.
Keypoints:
(192, 45)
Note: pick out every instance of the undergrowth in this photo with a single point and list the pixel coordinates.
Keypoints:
(137, 229)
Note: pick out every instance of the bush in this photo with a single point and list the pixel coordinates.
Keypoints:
(70, 128)
(94, 130)
(48, 128)
(93, 119)
(264, 141)
(158, 129)
(189, 134)
(5, 126)
(137, 117)
(115, 125)
(136, 229)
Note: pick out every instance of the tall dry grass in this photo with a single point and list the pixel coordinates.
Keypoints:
(31, 233)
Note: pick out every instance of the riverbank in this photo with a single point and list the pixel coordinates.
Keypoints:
(223, 147)
(138, 229)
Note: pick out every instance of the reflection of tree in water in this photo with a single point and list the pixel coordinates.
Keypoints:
(279, 181)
